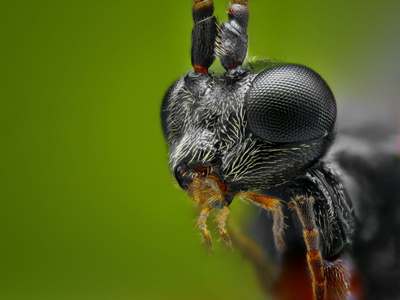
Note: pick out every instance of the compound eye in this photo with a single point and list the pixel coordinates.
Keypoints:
(290, 103)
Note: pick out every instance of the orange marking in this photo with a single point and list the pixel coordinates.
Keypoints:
(200, 69)
(202, 4)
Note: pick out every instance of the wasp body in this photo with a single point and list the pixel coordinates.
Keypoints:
(260, 137)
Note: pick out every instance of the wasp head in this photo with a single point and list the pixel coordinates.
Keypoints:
(247, 131)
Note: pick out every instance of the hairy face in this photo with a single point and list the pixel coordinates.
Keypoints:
(249, 131)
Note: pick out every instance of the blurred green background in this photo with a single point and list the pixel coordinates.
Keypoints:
(88, 209)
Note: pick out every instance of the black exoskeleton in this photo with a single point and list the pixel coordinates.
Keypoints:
(262, 137)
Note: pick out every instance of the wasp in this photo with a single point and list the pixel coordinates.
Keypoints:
(262, 137)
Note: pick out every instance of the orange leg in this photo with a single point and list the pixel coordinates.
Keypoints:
(304, 209)
(208, 192)
(202, 223)
(221, 219)
(274, 206)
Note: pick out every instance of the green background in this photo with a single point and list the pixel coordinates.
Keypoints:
(88, 209)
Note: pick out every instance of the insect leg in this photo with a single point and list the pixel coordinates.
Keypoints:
(203, 35)
(304, 208)
(221, 221)
(232, 39)
(274, 206)
(202, 223)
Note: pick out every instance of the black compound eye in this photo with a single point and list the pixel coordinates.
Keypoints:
(290, 103)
